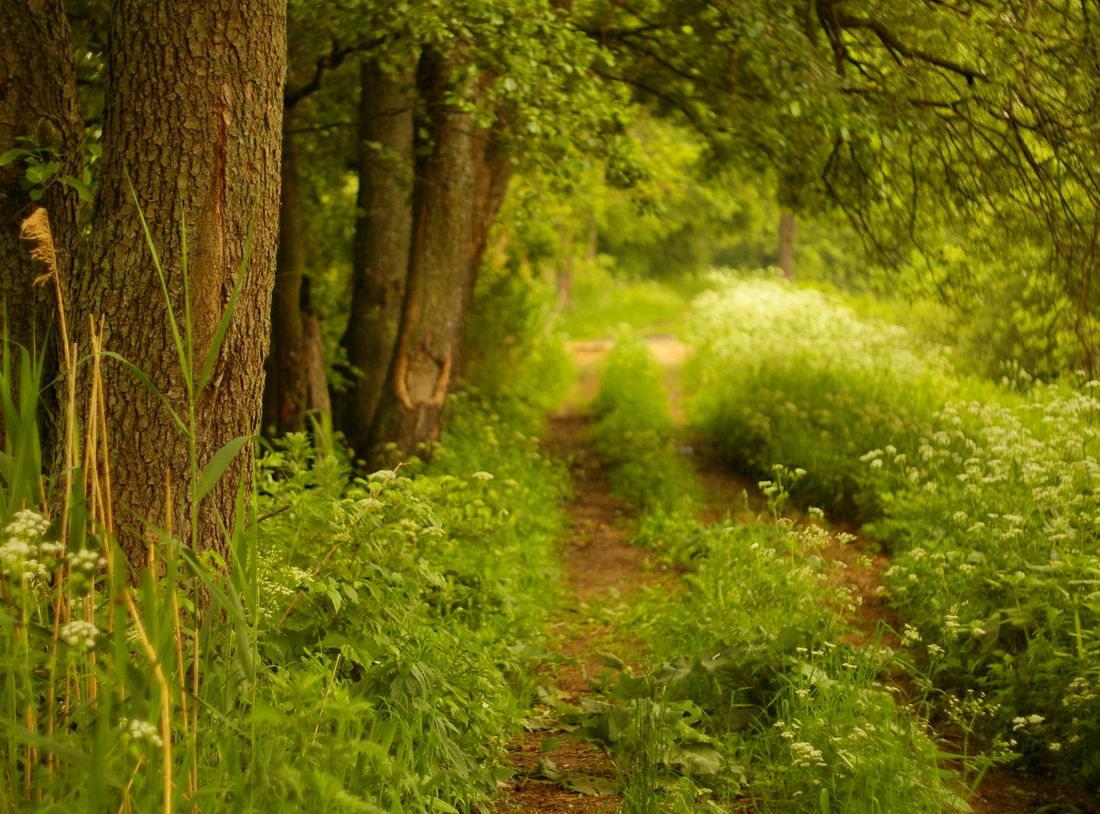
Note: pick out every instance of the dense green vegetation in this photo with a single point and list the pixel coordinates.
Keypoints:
(283, 293)
(752, 651)
(983, 492)
(369, 652)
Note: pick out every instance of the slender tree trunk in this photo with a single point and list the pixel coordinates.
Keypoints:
(493, 170)
(787, 228)
(445, 241)
(37, 102)
(285, 390)
(564, 281)
(383, 239)
(193, 127)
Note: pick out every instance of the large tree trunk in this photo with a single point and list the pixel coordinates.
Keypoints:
(38, 102)
(383, 237)
(410, 409)
(194, 121)
(285, 391)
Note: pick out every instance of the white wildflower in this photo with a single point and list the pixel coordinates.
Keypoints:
(79, 634)
(137, 730)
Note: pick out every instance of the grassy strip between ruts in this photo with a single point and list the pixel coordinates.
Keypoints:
(755, 679)
(986, 493)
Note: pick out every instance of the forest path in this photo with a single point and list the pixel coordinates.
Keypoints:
(601, 570)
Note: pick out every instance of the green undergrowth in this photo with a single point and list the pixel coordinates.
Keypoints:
(790, 376)
(601, 305)
(984, 492)
(806, 721)
(368, 653)
(420, 594)
(755, 693)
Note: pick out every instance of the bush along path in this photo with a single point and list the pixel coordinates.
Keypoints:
(746, 662)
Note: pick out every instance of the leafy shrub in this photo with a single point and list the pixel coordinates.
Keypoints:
(757, 643)
(418, 595)
(986, 495)
(366, 654)
(752, 657)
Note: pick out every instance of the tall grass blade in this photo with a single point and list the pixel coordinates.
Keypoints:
(217, 466)
(223, 323)
(177, 338)
(148, 383)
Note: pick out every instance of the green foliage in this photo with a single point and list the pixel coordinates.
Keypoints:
(756, 644)
(994, 524)
(633, 431)
(514, 353)
(42, 166)
(756, 686)
(997, 301)
(987, 502)
(602, 302)
(789, 376)
(421, 594)
(367, 653)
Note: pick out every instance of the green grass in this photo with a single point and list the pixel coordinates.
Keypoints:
(633, 431)
(599, 307)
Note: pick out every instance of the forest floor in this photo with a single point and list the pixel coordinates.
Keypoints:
(554, 773)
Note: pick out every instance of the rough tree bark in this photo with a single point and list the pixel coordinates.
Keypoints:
(194, 120)
(459, 188)
(410, 409)
(383, 237)
(37, 101)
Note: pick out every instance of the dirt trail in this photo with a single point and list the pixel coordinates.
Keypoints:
(600, 572)
(600, 569)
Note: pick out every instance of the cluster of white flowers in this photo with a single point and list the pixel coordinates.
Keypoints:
(1080, 695)
(80, 634)
(806, 755)
(137, 731)
(86, 561)
(1021, 722)
(24, 555)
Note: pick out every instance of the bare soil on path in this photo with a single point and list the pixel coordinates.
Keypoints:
(600, 569)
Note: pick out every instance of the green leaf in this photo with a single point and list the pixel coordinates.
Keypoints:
(694, 759)
(12, 154)
(223, 323)
(83, 191)
(217, 466)
(74, 757)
